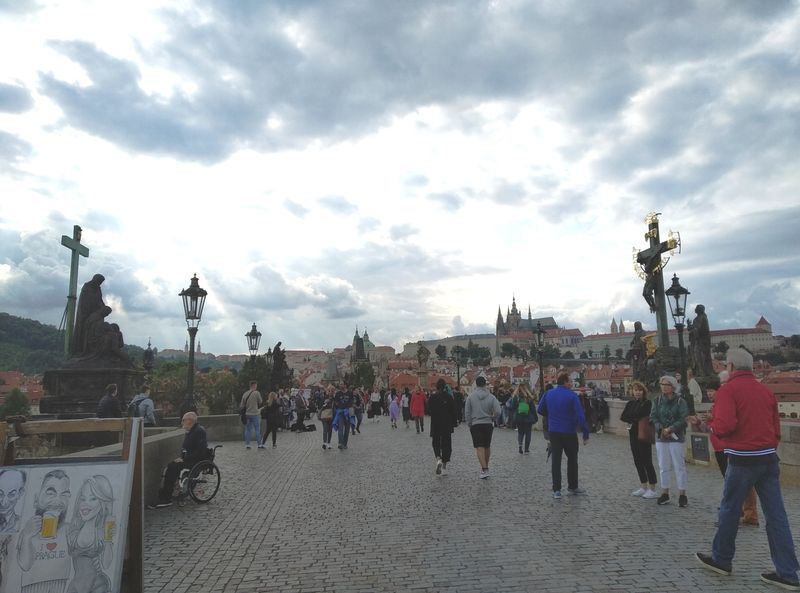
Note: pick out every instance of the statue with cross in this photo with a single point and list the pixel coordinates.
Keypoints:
(78, 249)
(649, 264)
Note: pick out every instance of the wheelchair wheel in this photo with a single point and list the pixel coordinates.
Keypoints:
(204, 481)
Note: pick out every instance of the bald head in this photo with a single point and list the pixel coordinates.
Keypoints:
(188, 421)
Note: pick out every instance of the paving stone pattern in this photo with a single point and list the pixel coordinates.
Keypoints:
(376, 518)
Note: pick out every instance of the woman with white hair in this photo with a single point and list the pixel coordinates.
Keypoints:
(669, 418)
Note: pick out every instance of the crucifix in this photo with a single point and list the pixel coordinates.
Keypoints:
(651, 265)
(73, 244)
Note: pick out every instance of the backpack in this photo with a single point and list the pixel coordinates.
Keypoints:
(524, 407)
(133, 409)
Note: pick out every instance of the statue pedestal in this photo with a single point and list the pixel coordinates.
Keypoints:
(77, 390)
(423, 379)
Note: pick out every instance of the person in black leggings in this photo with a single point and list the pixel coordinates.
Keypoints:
(637, 408)
(272, 413)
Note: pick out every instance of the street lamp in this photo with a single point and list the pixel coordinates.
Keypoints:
(676, 297)
(253, 338)
(194, 298)
(539, 333)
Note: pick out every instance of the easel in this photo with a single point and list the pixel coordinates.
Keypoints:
(132, 432)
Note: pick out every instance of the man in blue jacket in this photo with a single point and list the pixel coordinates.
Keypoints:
(564, 413)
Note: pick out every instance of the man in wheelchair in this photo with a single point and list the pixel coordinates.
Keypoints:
(193, 450)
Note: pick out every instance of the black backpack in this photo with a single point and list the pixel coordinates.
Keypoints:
(133, 409)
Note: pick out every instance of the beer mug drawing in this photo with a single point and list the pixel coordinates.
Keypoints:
(49, 525)
(109, 527)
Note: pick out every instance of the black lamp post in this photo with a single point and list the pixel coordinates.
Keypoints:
(194, 298)
(253, 338)
(539, 333)
(676, 297)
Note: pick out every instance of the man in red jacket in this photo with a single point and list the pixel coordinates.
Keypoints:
(746, 421)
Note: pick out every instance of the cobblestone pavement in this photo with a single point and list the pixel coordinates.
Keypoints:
(376, 518)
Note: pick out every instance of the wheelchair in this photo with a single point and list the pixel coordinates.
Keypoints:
(201, 482)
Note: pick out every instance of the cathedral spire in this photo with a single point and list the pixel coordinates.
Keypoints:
(529, 313)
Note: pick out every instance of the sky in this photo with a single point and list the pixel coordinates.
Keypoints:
(401, 166)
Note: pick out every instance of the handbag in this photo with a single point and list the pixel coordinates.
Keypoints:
(243, 410)
(645, 431)
(326, 414)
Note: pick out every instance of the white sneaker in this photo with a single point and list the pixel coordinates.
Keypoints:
(438, 467)
(484, 474)
(650, 494)
(639, 492)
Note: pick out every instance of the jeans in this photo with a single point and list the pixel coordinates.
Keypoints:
(642, 458)
(671, 460)
(568, 443)
(750, 506)
(524, 434)
(443, 447)
(253, 425)
(344, 432)
(327, 431)
(739, 479)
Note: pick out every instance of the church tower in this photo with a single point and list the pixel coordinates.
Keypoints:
(514, 316)
(621, 326)
(614, 329)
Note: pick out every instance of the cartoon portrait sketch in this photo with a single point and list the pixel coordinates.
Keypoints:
(90, 536)
(12, 487)
(42, 545)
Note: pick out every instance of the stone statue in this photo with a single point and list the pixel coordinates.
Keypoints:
(700, 338)
(638, 353)
(90, 310)
(423, 354)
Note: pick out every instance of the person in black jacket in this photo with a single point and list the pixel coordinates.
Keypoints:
(442, 409)
(108, 406)
(193, 450)
(637, 408)
(271, 412)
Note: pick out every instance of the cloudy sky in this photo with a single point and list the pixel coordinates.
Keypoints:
(404, 166)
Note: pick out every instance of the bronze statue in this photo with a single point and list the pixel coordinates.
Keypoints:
(651, 266)
(638, 352)
(90, 307)
(700, 338)
(422, 355)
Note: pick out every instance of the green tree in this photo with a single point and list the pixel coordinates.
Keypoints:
(619, 353)
(721, 347)
(459, 353)
(219, 390)
(257, 370)
(551, 352)
(507, 350)
(606, 352)
(16, 404)
(568, 355)
(794, 341)
(168, 384)
(583, 355)
(363, 375)
(480, 355)
(441, 351)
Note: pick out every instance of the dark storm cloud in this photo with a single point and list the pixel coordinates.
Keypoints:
(355, 67)
(337, 205)
(297, 209)
(14, 99)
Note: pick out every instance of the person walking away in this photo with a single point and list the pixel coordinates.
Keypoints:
(525, 417)
(326, 417)
(669, 419)
(417, 406)
(251, 402)
(271, 413)
(108, 406)
(564, 412)
(342, 420)
(442, 409)
(141, 406)
(747, 422)
(358, 410)
(700, 424)
(511, 410)
(480, 411)
(459, 399)
(637, 408)
(394, 411)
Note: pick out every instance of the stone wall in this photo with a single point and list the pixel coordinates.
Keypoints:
(788, 450)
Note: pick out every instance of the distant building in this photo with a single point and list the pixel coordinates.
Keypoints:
(31, 387)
